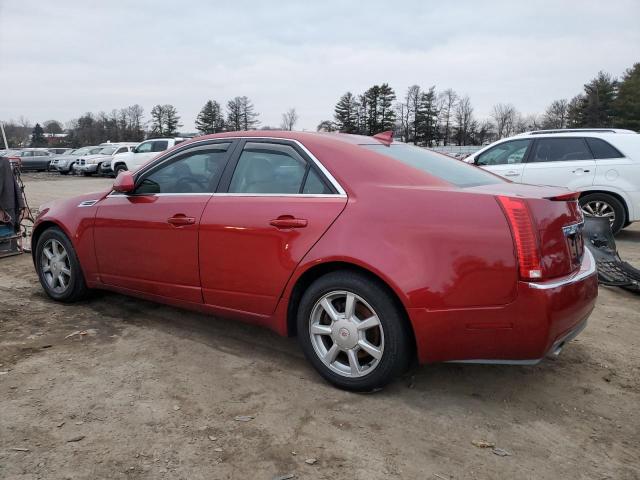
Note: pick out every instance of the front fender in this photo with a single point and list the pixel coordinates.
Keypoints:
(75, 217)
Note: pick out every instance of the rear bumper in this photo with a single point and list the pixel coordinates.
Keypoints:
(539, 322)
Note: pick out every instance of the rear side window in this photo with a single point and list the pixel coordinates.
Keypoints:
(159, 145)
(602, 149)
(274, 169)
(560, 150)
(504, 153)
(450, 170)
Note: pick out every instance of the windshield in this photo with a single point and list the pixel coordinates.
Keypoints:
(80, 151)
(448, 169)
(108, 151)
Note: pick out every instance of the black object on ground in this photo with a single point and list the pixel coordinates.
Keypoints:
(612, 270)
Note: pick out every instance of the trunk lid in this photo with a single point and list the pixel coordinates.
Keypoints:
(557, 224)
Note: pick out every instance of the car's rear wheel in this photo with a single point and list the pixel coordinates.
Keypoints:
(604, 205)
(58, 267)
(352, 331)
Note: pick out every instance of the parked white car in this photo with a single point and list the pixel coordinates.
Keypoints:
(90, 164)
(144, 152)
(602, 164)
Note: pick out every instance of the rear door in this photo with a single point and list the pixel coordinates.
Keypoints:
(560, 161)
(275, 202)
(147, 241)
(506, 159)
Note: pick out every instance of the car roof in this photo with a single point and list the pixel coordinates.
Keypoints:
(342, 155)
(595, 132)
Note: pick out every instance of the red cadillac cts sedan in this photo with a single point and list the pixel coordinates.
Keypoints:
(372, 252)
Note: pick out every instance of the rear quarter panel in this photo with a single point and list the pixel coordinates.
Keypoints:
(437, 248)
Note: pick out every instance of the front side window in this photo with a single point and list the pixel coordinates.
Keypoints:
(560, 150)
(122, 150)
(269, 168)
(193, 172)
(144, 147)
(602, 149)
(505, 153)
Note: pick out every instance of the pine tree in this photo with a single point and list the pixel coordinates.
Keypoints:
(346, 114)
(426, 118)
(210, 118)
(172, 120)
(597, 103)
(37, 137)
(627, 105)
(249, 117)
(386, 115)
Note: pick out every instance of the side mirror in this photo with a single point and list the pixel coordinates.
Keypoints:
(124, 182)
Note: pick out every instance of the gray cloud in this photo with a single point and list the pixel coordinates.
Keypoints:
(60, 59)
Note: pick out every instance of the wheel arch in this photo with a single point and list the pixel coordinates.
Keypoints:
(616, 195)
(316, 271)
(39, 230)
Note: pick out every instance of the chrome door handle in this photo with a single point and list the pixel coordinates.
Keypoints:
(580, 170)
(287, 221)
(511, 173)
(180, 220)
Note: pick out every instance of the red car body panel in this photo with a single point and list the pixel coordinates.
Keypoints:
(236, 237)
(447, 253)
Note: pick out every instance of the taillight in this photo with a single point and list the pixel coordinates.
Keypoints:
(524, 235)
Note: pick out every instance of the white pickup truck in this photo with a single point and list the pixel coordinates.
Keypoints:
(144, 152)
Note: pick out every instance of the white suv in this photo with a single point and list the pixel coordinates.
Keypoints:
(144, 152)
(602, 164)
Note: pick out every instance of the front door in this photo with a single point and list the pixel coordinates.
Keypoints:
(562, 162)
(148, 241)
(505, 159)
(275, 204)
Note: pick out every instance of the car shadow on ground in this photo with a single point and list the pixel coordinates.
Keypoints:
(423, 386)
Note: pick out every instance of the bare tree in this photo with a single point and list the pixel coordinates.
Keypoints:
(448, 100)
(556, 114)
(289, 119)
(506, 119)
(465, 124)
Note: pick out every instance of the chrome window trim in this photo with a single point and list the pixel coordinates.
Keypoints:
(321, 167)
(294, 195)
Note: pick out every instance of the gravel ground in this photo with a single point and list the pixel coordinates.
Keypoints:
(152, 392)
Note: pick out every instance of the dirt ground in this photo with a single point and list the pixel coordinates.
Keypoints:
(152, 392)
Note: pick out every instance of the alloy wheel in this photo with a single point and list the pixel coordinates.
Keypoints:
(55, 266)
(598, 208)
(346, 334)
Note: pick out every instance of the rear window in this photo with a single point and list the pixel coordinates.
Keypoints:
(450, 170)
(602, 149)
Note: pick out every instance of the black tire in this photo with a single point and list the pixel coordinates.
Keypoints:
(76, 288)
(62, 172)
(121, 167)
(396, 351)
(612, 202)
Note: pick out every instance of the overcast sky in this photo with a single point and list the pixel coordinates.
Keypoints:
(61, 59)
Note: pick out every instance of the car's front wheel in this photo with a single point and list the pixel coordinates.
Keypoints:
(352, 331)
(119, 168)
(58, 267)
